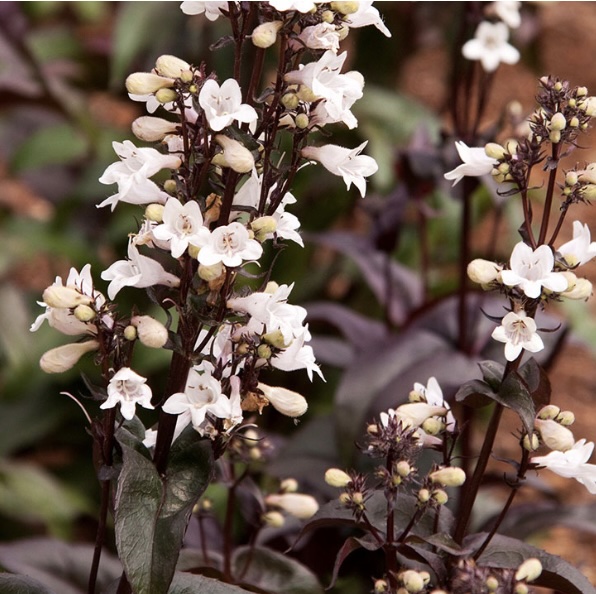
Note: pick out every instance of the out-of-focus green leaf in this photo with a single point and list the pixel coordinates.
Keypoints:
(61, 567)
(52, 145)
(20, 584)
(30, 494)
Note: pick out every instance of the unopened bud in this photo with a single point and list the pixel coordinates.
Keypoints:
(548, 412)
(574, 121)
(171, 66)
(554, 435)
(345, 8)
(492, 583)
(235, 155)
(130, 332)
(571, 178)
(285, 401)
(483, 272)
(63, 358)
(302, 121)
(440, 496)
(450, 476)
(84, 313)
(327, 16)
(433, 426)
(554, 136)
(275, 339)
(581, 290)
(154, 212)
(531, 443)
(289, 485)
(345, 499)
(264, 351)
(290, 100)
(297, 504)
(416, 396)
(529, 570)
(166, 95)
(146, 83)
(494, 151)
(566, 418)
(151, 129)
(558, 122)
(274, 519)
(335, 477)
(521, 589)
(558, 86)
(423, 495)
(150, 332)
(403, 468)
(306, 94)
(62, 297)
(263, 226)
(265, 35)
(381, 586)
(588, 192)
(581, 91)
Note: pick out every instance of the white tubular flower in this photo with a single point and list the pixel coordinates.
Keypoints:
(344, 162)
(265, 34)
(144, 83)
(483, 272)
(296, 504)
(367, 15)
(475, 163)
(581, 248)
(138, 271)
(231, 245)
(533, 269)
(336, 477)
(413, 414)
(297, 356)
(128, 389)
(132, 174)
(212, 9)
(151, 129)
(223, 105)
(150, 331)
(287, 402)
(449, 476)
(518, 331)
(182, 226)
(58, 296)
(171, 66)
(554, 435)
(65, 357)
(323, 36)
(507, 11)
(434, 396)
(235, 155)
(302, 6)
(490, 46)
(572, 464)
(579, 288)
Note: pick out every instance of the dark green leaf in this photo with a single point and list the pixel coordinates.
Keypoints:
(188, 583)
(509, 553)
(274, 572)
(20, 584)
(514, 394)
(151, 515)
(350, 544)
(537, 382)
(475, 394)
(443, 542)
(492, 372)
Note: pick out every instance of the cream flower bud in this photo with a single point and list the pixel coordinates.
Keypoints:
(130, 332)
(84, 313)
(152, 129)
(212, 272)
(235, 155)
(63, 358)
(264, 351)
(433, 426)
(166, 95)
(412, 581)
(381, 586)
(285, 401)
(298, 505)
(581, 91)
(263, 226)
(483, 272)
(154, 212)
(62, 297)
(450, 476)
(335, 477)
(150, 332)
(345, 8)
(403, 468)
(302, 121)
(274, 519)
(415, 413)
(146, 83)
(290, 100)
(554, 435)
(275, 339)
(492, 583)
(531, 444)
(289, 485)
(529, 570)
(494, 151)
(423, 495)
(440, 496)
(548, 412)
(566, 418)
(574, 122)
(171, 66)
(571, 178)
(265, 35)
(558, 122)
(581, 290)
(555, 136)
(589, 192)
(306, 94)
(521, 589)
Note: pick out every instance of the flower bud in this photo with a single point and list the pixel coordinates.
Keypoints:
(275, 339)
(554, 435)
(306, 94)
(548, 412)
(532, 443)
(265, 35)
(285, 401)
(297, 504)
(273, 519)
(84, 313)
(130, 332)
(234, 155)
(290, 100)
(151, 129)
(571, 178)
(433, 426)
(423, 495)
(492, 583)
(154, 212)
(566, 418)
(494, 151)
(403, 468)
(574, 121)
(581, 91)
(521, 589)
(554, 136)
(264, 351)
(64, 297)
(529, 570)
(415, 413)
(213, 272)
(345, 499)
(327, 16)
(345, 8)
(381, 586)
(582, 290)
(558, 122)
(263, 226)
(146, 83)
(449, 476)
(63, 358)
(416, 396)
(289, 485)
(412, 581)
(483, 272)
(302, 121)
(150, 332)
(171, 66)
(335, 477)
(166, 95)
(588, 192)
(440, 496)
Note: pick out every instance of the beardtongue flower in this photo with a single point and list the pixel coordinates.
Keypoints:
(518, 332)
(128, 389)
(475, 162)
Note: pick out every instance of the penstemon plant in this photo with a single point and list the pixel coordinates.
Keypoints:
(215, 181)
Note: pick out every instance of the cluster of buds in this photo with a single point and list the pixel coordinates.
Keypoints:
(551, 425)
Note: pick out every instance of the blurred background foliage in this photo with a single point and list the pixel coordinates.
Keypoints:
(62, 104)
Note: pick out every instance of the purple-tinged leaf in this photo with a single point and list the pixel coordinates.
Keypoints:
(475, 394)
(21, 584)
(188, 583)
(537, 382)
(493, 373)
(514, 394)
(423, 555)
(350, 544)
(332, 351)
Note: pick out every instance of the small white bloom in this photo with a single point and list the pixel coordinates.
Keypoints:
(554, 435)
(518, 331)
(475, 162)
(138, 271)
(581, 248)
(297, 504)
(129, 389)
(533, 269)
(235, 155)
(223, 105)
(347, 163)
(490, 46)
(231, 245)
(322, 36)
(303, 6)
(572, 464)
(366, 15)
(182, 226)
(151, 129)
(507, 11)
(297, 356)
(212, 8)
(413, 414)
(433, 395)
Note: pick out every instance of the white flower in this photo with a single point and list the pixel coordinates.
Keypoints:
(212, 8)
(572, 464)
(533, 269)
(554, 435)
(285, 401)
(132, 174)
(366, 15)
(129, 389)
(490, 46)
(475, 162)
(347, 163)
(433, 395)
(507, 11)
(65, 357)
(518, 331)
(413, 414)
(581, 248)
(322, 36)
(299, 5)
(223, 105)
(231, 245)
(182, 226)
(138, 271)
(297, 356)
(297, 504)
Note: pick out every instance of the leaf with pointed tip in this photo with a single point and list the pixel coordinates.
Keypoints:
(493, 373)
(514, 394)
(537, 382)
(475, 394)
(188, 583)
(21, 584)
(350, 544)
